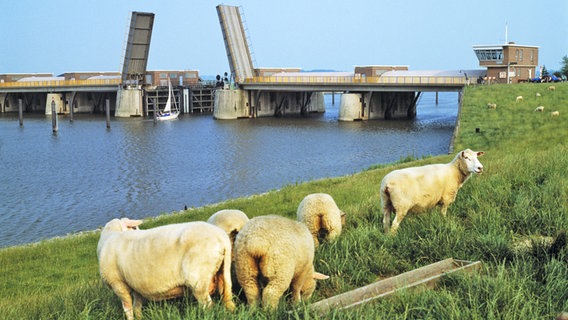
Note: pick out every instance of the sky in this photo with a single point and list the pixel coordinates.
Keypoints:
(60, 36)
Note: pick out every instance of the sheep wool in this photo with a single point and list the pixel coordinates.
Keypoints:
(321, 215)
(280, 251)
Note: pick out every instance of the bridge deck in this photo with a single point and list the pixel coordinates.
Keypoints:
(390, 81)
(61, 85)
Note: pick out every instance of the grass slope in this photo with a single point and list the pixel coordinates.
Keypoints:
(522, 194)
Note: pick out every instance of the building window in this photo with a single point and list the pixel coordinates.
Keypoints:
(532, 55)
(163, 75)
(521, 55)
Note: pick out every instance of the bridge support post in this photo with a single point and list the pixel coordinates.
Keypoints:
(128, 103)
(350, 107)
(230, 104)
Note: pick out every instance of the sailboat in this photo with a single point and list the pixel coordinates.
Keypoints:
(168, 113)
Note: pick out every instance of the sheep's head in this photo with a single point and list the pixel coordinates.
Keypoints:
(469, 161)
(123, 224)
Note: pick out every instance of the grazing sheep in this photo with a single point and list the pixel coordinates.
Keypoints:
(537, 94)
(551, 88)
(279, 253)
(161, 263)
(230, 220)
(555, 113)
(492, 106)
(539, 109)
(416, 189)
(519, 99)
(321, 215)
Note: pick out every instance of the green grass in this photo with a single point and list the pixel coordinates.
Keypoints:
(522, 193)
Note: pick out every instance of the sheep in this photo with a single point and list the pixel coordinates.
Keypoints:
(555, 113)
(519, 99)
(230, 220)
(492, 106)
(160, 263)
(539, 109)
(321, 215)
(416, 189)
(551, 88)
(279, 252)
(537, 94)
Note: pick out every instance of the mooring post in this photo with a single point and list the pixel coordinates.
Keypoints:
(333, 98)
(107, 111)
(54, 116)
(436, 97)
(21, 112)
(71, 110)
(155, 112)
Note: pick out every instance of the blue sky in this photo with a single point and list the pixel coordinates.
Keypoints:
(59, 36)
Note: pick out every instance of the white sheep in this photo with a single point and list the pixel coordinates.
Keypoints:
(321, 215)
(539, 109)
(279, 252)
(519, 99)
(416, 189)
(160, 263)
(551, 88)
(230, 220)
(492, 106)
(555, 113)
(537, 94)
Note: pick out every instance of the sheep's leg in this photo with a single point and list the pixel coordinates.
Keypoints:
(400, 214)
(137, 302)
(123, 293)
(271, 295)
(386, 219)
(247, 275)
(201, 293)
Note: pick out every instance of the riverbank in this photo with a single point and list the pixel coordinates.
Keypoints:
(522, 193)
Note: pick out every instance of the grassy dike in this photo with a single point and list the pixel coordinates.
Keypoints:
(523, 194)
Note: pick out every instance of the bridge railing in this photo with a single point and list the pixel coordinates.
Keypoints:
(402, 80)
(60, 83)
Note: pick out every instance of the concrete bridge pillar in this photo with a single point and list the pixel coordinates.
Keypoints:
(350, 107)
(230, 104)
(58, 99)
(128, 102)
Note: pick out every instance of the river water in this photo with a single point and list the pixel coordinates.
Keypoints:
(53, 185)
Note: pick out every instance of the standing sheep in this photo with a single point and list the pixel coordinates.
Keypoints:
(161, 263)
(555, 113)
(539, 109)
(519, 99)
(321, 215)
(416, 189)
(279, 252)
(230, 220)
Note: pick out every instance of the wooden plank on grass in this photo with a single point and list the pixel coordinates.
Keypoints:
(427, 276)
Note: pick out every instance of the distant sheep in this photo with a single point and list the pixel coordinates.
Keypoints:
(551, 88)
(321, 215)
(555, 113)
(161, 263)
(519, 99)
(275, 253)
(537, 94)
(539, 109)
(416, 189)
(230, 220)
(492, 106)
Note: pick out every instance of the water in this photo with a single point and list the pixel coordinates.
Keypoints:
(53, 185)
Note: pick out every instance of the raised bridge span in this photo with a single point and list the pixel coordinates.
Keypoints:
(371, 92)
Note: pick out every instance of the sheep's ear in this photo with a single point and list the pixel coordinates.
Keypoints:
(320, 276)
(480, 153)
